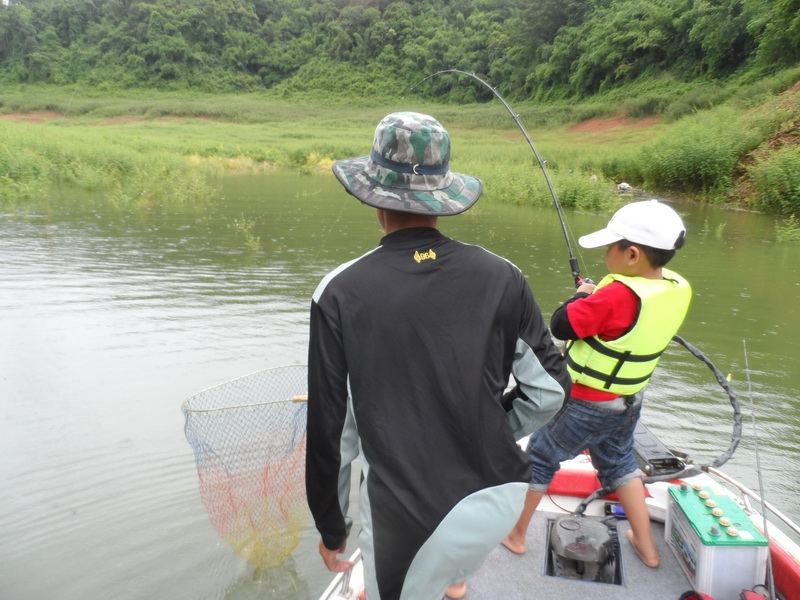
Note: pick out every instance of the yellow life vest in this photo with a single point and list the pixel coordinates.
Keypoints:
(623, 366)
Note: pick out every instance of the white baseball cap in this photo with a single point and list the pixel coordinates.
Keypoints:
(650, 223)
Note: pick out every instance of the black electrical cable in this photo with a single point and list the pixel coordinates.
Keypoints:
(736, 435)
(576, 275)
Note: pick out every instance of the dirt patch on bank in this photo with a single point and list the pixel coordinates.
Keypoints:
(32, 117)
(47, 115)
(129, 119)
(597, 125)
(788, 136)
(125, 119)
(121, 120)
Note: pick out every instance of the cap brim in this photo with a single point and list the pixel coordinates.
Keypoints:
(603, 237)
(462, 192)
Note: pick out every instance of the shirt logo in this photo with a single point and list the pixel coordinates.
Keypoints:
(420, 256)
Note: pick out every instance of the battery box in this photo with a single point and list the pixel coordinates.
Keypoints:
(715, 542)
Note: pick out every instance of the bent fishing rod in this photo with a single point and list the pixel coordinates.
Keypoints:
(573, 261)
(576, 274)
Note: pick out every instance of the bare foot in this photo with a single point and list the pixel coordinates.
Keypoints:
(512, 543)
(652, 561)
(456, 591)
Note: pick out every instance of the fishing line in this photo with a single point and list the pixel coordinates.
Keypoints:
(770, 576)
(576, 274)
(692, 470)
(573, 259)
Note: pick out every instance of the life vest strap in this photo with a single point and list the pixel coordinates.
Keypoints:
(598, 346)
(609, 379)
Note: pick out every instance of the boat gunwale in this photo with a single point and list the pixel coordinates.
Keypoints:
(747, 492)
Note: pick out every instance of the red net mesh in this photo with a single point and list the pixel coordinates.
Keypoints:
(248, 437)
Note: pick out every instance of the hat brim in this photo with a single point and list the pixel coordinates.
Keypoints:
(603, 237)
(462, 192)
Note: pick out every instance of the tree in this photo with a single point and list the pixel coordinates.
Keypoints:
(776, 26)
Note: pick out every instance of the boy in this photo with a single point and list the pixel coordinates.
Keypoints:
(618, 329)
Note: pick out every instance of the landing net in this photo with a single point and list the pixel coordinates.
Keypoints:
(249, 440)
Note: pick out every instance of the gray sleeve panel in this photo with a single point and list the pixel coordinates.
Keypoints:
(348, 450)
(460, 543)
(544, 395)
(365, 536)
(329, 277)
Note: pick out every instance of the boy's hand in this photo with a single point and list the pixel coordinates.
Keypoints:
(586, 288)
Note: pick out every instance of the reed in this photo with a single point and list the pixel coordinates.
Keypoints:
(698, 153)
(244, 229)
(155, 150)
(126, 172)
(788, 230)
(169, 162)
(777, 181)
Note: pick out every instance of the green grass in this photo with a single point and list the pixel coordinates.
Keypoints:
(788, 230)
(156, 151)
(148, 149)
(127, 174)
(777, 181)
(698, 153)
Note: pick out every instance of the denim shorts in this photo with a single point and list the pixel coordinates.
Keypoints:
(604, 429)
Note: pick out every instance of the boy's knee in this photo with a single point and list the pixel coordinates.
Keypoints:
(617, 483)
(539, 487)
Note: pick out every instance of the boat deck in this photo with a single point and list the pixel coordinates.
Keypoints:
(510, 576)
(513, 577)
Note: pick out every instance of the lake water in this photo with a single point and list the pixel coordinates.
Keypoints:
(108, 321)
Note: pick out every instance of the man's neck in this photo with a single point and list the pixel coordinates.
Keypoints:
(392, 221)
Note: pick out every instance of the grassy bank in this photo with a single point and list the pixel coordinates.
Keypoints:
(157, 150)
(34, 157)
(122, 143)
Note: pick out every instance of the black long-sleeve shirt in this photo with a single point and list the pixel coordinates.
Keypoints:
(559, 321)
(411, 348)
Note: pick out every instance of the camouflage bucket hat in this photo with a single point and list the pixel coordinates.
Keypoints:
(409, 169)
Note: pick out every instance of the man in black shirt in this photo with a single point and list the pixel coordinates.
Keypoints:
(411, 349)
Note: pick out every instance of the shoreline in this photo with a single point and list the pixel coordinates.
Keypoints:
(69, 139)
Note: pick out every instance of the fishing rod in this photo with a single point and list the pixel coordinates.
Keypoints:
(573, 261)
(576, 274)
(770, 575)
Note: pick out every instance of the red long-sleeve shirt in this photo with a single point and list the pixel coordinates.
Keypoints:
(609, 313)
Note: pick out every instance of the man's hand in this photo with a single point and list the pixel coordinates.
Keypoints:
(586, 288)
(331, 559)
